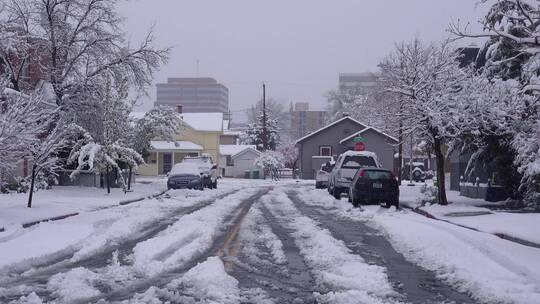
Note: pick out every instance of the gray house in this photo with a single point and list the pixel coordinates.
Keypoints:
(330, 141)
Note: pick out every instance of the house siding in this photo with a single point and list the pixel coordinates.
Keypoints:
(328, 137)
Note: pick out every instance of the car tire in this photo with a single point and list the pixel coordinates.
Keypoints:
(336, 193)
(355, 202)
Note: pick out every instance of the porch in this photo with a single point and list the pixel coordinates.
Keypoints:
(164, 155)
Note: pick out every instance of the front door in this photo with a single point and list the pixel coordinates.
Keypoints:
(167, 162)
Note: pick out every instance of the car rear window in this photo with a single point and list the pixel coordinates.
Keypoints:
(372, 174)
(327, 168)
(358, 161)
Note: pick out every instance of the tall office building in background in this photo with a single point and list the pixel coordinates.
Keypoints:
(304, 120)
(193, 95)
(353, 81)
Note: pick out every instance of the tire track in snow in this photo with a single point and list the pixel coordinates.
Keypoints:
(415, 283)
(36, 276)
(340, 275)
(221, 231)
(270, 277)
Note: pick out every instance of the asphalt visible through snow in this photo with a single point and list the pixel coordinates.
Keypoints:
(246, 243)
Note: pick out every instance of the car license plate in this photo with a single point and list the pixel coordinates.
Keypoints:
(377, 185)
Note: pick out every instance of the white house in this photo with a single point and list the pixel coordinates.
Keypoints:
(236, 159)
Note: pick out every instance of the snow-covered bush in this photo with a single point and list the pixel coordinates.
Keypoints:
(270, 162)
(428, 195)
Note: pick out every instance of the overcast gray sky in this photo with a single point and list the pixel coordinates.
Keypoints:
(298, 47)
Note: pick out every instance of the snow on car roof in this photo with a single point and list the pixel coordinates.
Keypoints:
(363, 153)
(185, 168)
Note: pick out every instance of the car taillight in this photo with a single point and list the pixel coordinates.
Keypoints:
(362, 173)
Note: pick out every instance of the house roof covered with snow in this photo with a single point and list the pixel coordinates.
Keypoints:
(212, 122)
(329, 126)
(181, 145)
(366, 130)
(231, 150)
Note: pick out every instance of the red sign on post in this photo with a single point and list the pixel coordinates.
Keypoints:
(359, 146)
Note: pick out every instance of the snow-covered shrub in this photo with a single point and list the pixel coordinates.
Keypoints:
(428, 195)
(270, 161)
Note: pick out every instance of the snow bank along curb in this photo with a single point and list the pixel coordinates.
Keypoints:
(64, 216)
(503, 236)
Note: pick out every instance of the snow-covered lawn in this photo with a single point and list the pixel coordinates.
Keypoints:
(466, 211)
(489, 268)
(62, 200)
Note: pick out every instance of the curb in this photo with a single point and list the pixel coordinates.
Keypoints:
(499, 235)
(134, 200)
(52, 219)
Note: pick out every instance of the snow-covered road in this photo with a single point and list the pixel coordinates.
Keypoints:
(258, 242)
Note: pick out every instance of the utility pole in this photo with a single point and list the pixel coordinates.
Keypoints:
(265, 132)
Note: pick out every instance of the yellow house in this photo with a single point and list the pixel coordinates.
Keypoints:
(201, 134)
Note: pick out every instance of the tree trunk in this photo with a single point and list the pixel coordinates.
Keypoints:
(31, 194)
(108, 181)
(129, 178)
(400, 154)
(437, 147)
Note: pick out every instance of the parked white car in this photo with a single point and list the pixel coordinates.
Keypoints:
(207, 167)
(346, 166)
(321, 178)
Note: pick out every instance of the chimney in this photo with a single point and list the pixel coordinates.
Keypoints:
(179, 109)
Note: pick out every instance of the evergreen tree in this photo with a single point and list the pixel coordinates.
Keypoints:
(255, 134)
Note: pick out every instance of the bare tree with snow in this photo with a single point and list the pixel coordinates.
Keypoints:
(82, 43)
(424, 75)
(21, 121)
(109, 152)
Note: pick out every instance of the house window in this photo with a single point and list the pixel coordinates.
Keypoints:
(230, 161)
(325, 151)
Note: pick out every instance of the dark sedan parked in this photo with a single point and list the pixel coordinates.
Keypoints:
(185, 175)
(374, 186)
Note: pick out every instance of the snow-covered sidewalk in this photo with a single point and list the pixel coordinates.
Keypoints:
(66, 200)
(490, 269)
(469, 213)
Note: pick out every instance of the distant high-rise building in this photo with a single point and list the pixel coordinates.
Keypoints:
(193, 95)
(304, 121)
(351, 81)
